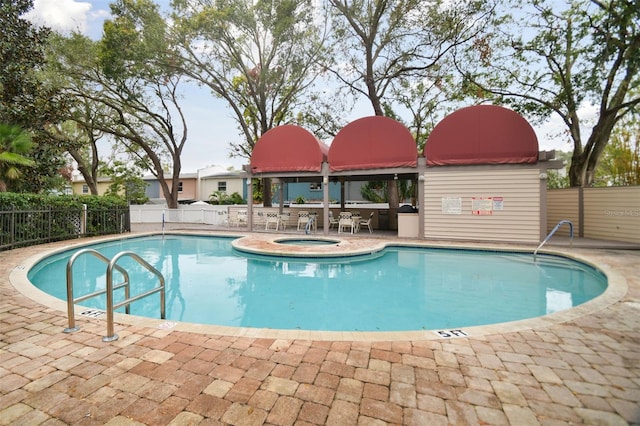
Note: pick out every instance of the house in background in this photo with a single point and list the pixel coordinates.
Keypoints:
(212, 179)
(187, 188)
(200, 185)
(191, 186)
(79, 186)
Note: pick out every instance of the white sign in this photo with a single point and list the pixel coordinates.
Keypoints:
(482, 205)
(449, 334)
(498, 203)
(451, 205)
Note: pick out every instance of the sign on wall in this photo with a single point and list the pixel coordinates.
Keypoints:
(481, 205)
(498, 203)
(451, 205)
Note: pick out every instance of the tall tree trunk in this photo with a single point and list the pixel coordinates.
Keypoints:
(584, 164)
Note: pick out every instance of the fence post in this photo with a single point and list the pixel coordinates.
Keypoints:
(83, 220)
(581, 212)
(13, 226)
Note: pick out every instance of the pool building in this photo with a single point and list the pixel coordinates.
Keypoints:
(480, 176)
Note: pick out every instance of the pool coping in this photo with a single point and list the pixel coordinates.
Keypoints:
(262, 244)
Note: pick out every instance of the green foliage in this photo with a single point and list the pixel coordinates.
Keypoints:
(620, 163)
(260, 56)
(222, 198)
(545, 57)
(299, 200)
(133, 41)
(257, 188)
(22, 100)
(14, 144)
(374, 191)
(236, 198)
(25, 99)
(124, 88)
(14, 201)
(126, 182)
(33, 219)
(557, 179)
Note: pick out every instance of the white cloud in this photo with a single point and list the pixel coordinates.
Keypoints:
(66, 15)
(553, 133)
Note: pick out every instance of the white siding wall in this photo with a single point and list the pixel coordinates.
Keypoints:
(562, 204)
(519, 188)
(612, 213)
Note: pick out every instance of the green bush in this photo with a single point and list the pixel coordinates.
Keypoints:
(34, 218)
(13, 201)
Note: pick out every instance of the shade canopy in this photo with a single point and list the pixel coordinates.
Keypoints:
(372, 143)
(288, 148)
(482, 134)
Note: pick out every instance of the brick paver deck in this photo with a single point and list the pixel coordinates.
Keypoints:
(585, 371)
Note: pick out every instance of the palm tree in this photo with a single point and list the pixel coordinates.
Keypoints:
(14, 142)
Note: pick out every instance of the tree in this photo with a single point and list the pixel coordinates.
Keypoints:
(376, 191)
(260, 56)
(21, 54)
(557, 179)
(77, 129)
(24, 100)
(388, 49)
(126, 182)
(546, 58)
(15, 143)
(620, 164)
(123, 88)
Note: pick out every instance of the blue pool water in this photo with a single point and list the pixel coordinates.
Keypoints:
(396, 289)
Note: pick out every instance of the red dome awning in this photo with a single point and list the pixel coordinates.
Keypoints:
(482, 134)
(288, 148)
(372, 143)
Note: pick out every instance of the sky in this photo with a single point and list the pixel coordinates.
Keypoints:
(210, 124)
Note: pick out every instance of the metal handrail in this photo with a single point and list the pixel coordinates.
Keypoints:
(71, 301)
(553, 231)
(310, 224)
(111, 336)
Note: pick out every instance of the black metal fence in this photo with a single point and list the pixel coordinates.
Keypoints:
(21, 228)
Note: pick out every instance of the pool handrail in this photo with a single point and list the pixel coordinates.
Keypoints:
(71, 301)
(553, 231)
(111, 336)
(310, 224)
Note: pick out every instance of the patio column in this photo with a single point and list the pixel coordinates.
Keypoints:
(325, 198)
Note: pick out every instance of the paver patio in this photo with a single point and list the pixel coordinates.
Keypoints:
(584, 371)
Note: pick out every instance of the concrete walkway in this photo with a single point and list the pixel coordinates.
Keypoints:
(584, 371)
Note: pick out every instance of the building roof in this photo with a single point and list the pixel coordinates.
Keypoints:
(482, 134)
(288, 148)
(372, 143)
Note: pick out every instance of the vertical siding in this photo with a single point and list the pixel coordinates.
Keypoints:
(562, 204)
(612, 213)
(518, 221)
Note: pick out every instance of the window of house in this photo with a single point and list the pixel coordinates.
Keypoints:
(222, 186)
(179, 186)
(315, 186)
(85, 189)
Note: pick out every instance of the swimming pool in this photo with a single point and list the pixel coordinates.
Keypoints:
(398, 288)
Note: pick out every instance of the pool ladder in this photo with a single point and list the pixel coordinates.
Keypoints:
(111, 265)
(553, 231)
